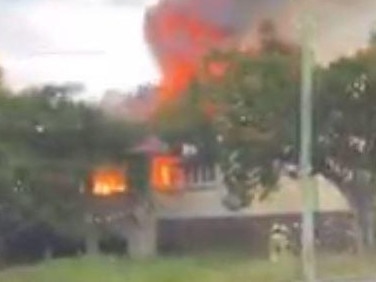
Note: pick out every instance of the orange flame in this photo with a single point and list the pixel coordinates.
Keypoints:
(166, 175)
(108, 181)
(182, 32)
(180, 38)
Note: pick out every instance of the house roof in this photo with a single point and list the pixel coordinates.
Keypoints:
(150, 146)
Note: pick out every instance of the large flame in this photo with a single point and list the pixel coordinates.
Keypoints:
(180, 35)
(181, 32)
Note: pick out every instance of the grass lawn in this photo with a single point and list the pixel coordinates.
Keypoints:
(193, 269)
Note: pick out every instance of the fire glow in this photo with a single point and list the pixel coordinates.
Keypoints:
(181, 33)
(108, 181)
(166, 175)
(180, 36)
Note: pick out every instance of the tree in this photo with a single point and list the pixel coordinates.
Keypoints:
(346, 124)
(50, 145)
(27, 126)
(255, 100)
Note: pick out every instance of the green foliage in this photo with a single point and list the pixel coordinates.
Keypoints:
(346, 118)
(345, 142)
(244, 116)
(49, 144)
(255, 120)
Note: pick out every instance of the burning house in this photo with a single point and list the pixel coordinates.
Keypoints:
(180, 33)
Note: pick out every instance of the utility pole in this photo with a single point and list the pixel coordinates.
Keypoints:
(308, 236)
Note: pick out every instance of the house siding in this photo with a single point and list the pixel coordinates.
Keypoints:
(195, 220)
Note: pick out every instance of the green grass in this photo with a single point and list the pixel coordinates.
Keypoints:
(206, 269)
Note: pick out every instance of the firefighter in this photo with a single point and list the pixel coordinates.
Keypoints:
(279, 242)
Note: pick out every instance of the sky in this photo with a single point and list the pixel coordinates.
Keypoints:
(101, 42)
(97, 42)
(343, 26)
